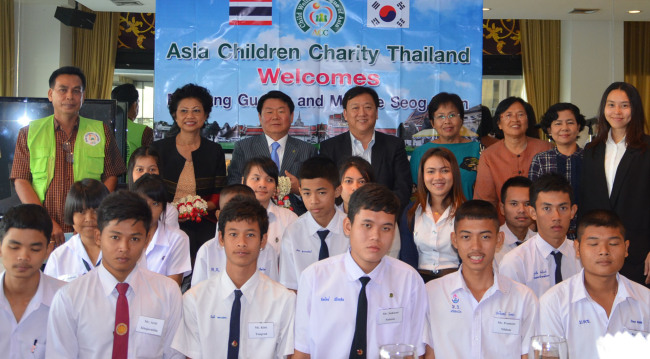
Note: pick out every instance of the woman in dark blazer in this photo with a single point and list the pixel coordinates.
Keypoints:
(192, 164)
(616, 173)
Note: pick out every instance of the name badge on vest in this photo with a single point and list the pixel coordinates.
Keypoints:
(390, 315)
(92, 138)
(260, 330)
(149, 325)
(505, 326)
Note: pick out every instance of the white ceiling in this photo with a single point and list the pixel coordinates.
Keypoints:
(500, 9)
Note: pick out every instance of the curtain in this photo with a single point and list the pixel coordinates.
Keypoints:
(540, 53)
(637, 62)
(8, 53)
(94, 52)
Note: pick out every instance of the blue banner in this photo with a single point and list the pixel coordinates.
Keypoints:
(315, 50)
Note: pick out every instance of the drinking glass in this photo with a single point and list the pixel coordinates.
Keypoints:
(548, 347)
(397, 351)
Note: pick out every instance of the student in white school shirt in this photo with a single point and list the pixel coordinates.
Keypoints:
(87, 315)
(25, 292)
(168, 250)
(211, 257)
(330, 291)
(261, 175)
(240, 296)
(486, 315)
(301, 242)
(514, 208)
(81, 253)
(598, 300)
(534, 263)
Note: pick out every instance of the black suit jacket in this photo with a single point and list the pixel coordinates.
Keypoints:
(630, 199)
(389, 160)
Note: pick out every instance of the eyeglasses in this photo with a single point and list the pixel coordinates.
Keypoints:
(510, 116)
(450, 117)
(67, 148)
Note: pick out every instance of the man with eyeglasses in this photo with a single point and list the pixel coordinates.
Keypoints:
(386, 153)
(54, 152)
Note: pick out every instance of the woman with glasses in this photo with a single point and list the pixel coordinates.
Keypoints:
(446, 113)
(511, 156)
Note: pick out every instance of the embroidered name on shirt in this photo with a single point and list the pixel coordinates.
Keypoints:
(338, 299)
(636, 321)
(455, 308)
(584, 321)
(541, 274)
(324, 299)
(303, 251)
(214, 269)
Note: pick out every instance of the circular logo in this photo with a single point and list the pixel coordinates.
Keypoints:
(121, 329)
(320, 16)
(455, 299)
(387, 13)
(92, 138)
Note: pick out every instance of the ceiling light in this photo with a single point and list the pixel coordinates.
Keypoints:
(486, 9)
(583, 11)
(634, 11)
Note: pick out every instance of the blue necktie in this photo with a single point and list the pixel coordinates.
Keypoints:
(359, 341)
(558, 266)
(233, 336)
(324, 251)
(274, 154)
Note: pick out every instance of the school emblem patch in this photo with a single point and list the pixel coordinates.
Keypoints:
(92, 138)
(121, 329)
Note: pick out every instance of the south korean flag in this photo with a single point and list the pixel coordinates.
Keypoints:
(388, 13)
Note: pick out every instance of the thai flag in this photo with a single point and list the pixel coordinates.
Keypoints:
(250, 12)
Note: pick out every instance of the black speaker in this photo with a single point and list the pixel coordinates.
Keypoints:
(75, 18)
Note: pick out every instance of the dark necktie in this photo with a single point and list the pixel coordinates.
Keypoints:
(558, 266)
(121, 331)
(233, 336)
(324, 251)
(358, 349)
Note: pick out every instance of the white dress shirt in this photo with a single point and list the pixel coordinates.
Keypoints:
(498, 326)
(168, 252)
(568, 311)
(326, 307)
(358, 150)
(69, 261)
(171, 216)
(433, 240)
(279, 219)
(509, 242)
(266, 319)
(613, 154)
(211, 260)
(82, 316)
(27, 338)
(533, 264)
(301, 245)
(283, 145)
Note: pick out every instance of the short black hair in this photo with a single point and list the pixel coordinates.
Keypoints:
(276, 95)
(374, 197)
(242, 208)
(125, 93)
(27, 216)
(237, 188)
(551, 115)
(200, 93)
(123, 205)
(85, 194)
(516, 181)
(504, 105)
(476, 209)
(360, 90)
(600, 218)
(153, 187)
(68, 70)
(144, 151)
(266, 164)
(320, 167)
(550, 182)
(445, 98)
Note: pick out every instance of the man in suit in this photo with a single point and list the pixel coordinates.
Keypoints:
(275, 111)
(386, 153)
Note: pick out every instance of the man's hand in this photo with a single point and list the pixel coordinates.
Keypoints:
(295, 184)
(57, 234)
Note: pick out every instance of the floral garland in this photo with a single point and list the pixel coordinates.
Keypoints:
(282, 197)
(192, 208)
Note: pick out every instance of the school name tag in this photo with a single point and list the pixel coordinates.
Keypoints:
(390, 315)
(149, 325)
(260, 330)
(505, 326)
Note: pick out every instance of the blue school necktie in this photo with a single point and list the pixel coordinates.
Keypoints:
(324, 251)
(558, 266)
(233, 335)
(274, 154)
(358, 348)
